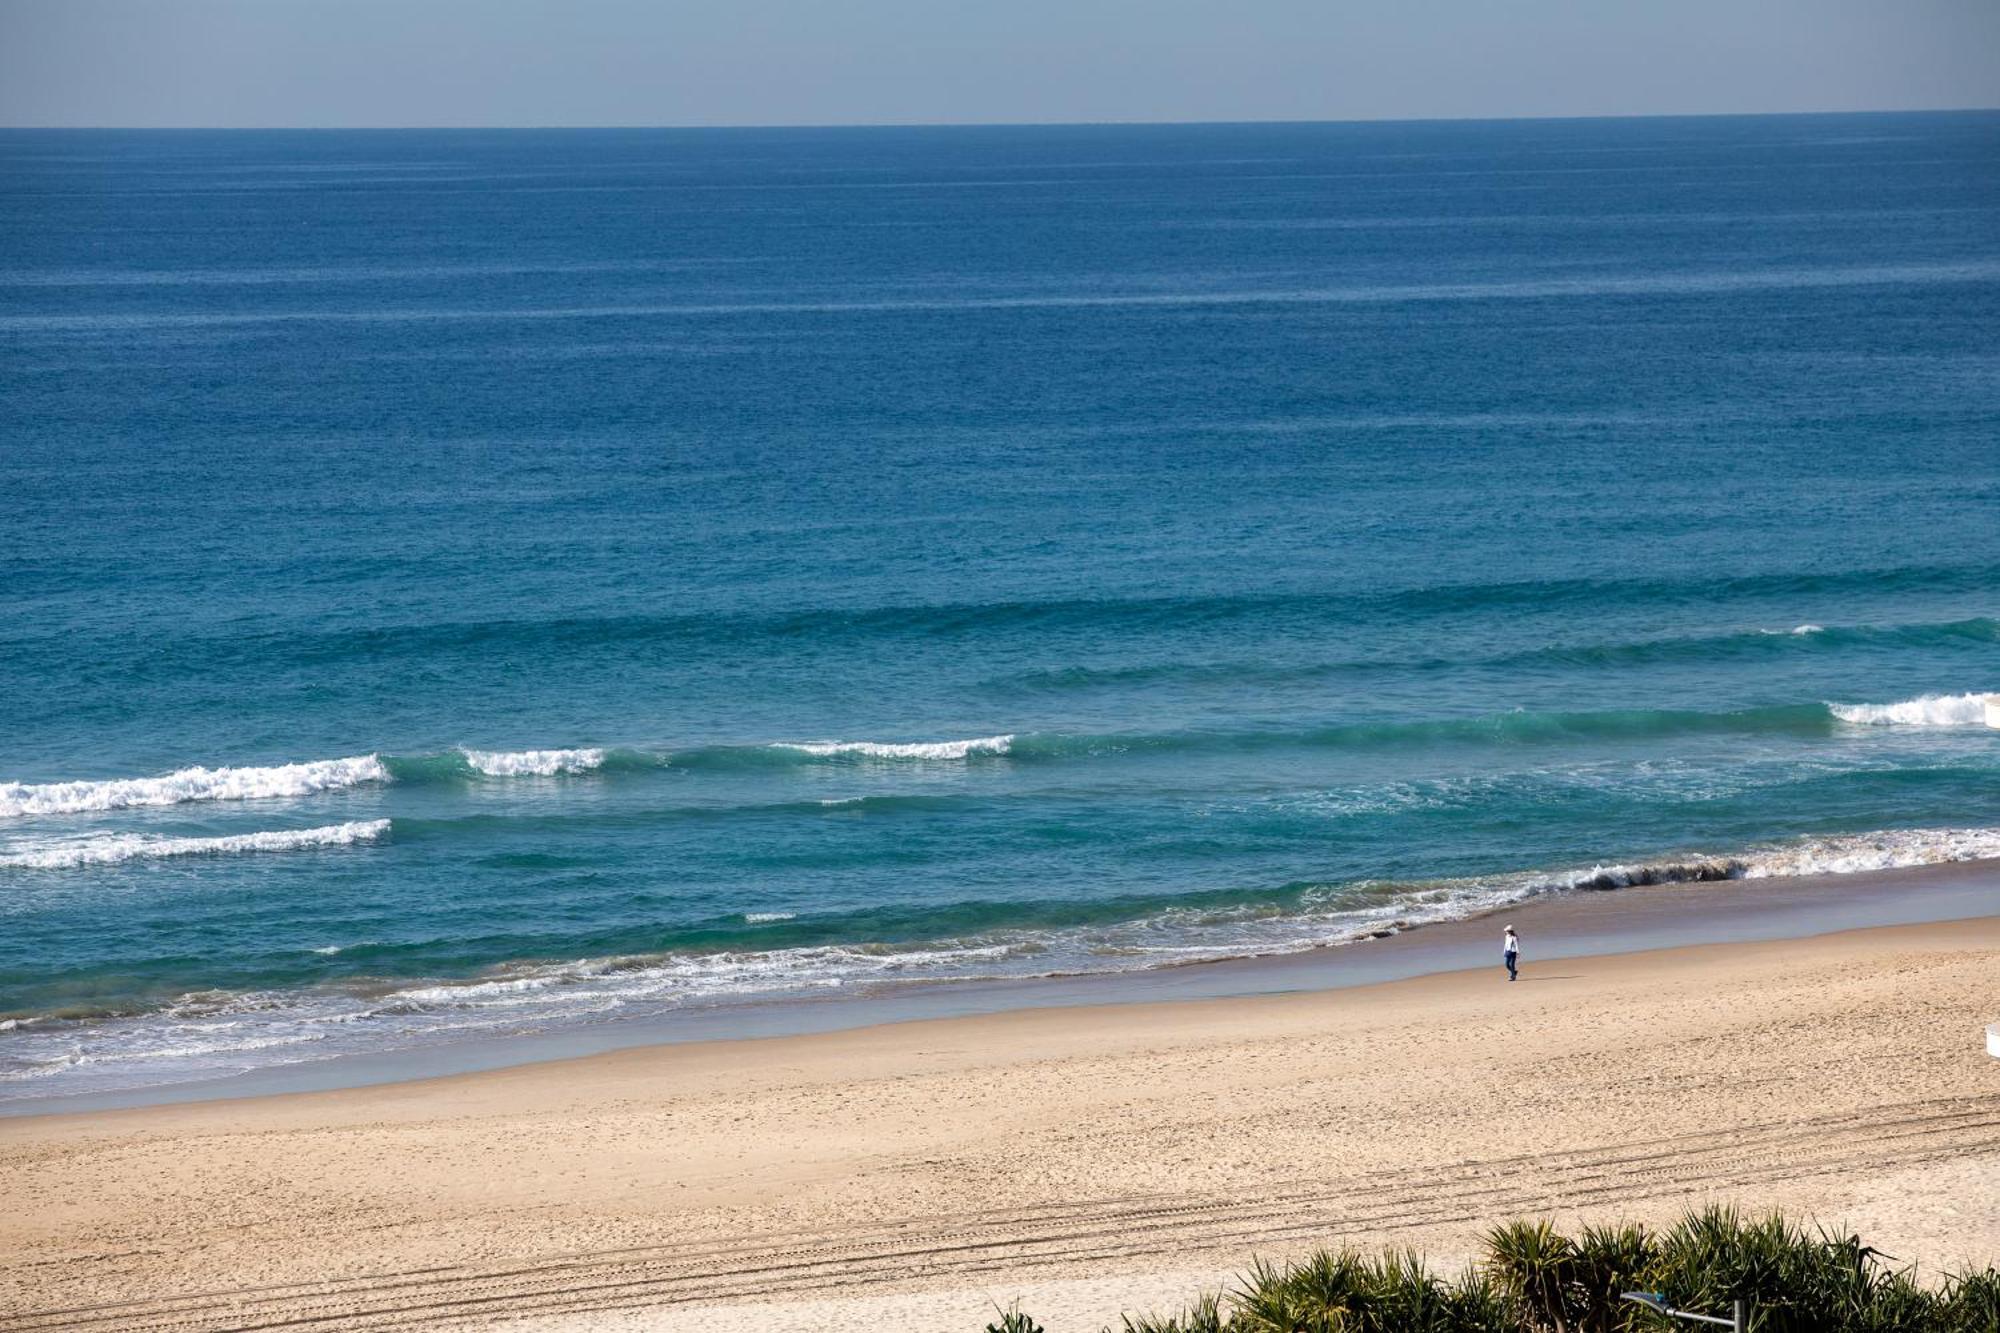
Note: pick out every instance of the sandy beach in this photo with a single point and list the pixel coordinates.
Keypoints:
(910, 1175)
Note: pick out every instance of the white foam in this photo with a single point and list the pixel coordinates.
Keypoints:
(764, 918)
(533, 763)
(596, 985)
(1930, 710)
(1892, 849)
(110, 848)
(231, 1045)
(190, 784)
(903, 750)
(1833, 854)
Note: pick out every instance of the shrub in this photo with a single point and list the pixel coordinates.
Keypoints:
(1535, 1279)
(1204, 1317)
(1012, 1320)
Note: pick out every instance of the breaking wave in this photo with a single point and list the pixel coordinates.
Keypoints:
(1518, 727)
(111, 848)
(931, 750)
(309, 778)
(1835, 854)
(1930, 710)
(533, 763)
(191, 784)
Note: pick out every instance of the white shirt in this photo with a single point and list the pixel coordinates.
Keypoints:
(1512, 944)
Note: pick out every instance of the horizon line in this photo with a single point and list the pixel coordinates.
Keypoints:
(995, 124)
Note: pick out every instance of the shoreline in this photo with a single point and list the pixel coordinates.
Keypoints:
(1105, 1158)
(1572, 923)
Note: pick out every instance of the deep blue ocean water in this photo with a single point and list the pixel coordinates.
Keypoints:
(463, 583)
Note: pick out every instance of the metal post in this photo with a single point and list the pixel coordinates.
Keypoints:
(1738, 1322)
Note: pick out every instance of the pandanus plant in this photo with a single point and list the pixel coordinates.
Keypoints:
(1535, 1279)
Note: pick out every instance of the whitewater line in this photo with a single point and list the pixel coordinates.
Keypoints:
(983, 745)
(533, 763)
(112, 848)
(1929, 710)
(191, 784)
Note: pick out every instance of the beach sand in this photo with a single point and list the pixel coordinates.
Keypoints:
(1088, 1160)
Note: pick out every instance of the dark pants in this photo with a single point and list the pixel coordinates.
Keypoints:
(1513, 972)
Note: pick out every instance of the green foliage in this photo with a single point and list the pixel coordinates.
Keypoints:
(1538, 1264)
(1535, 1279)
(1205, 1317)
(1349, 1293)
(1572, 1286)
(1971, 1303)
(1012, 1320)
(1795, 1282)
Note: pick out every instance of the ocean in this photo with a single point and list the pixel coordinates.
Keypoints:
(459, 584)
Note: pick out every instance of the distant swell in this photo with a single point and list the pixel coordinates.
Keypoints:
(1515, 289)
(1742, 645)
(1931, 710)
(190, 784)
(1103, 619)
(109, 849)
(1516, 728)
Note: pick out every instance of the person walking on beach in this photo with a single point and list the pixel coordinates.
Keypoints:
(1510, 951)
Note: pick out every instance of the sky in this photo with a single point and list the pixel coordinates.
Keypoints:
(817, 62)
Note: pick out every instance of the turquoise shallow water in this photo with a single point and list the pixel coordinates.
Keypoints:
(465, 583)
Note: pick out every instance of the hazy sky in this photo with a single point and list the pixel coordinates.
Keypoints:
(750, 62)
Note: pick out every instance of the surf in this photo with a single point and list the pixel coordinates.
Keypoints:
(115, 848)
(1518, 727)
(1929, 710)
(191, 784)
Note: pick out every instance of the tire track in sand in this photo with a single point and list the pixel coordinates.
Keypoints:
(1114, 1229)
